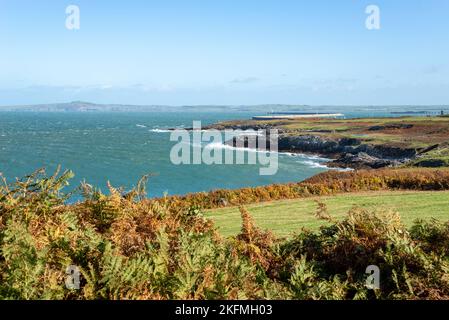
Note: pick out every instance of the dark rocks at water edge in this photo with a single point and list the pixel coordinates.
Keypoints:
(346, 152)
(363, 160)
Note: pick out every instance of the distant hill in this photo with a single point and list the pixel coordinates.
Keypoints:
(79, 106)
(83, 106)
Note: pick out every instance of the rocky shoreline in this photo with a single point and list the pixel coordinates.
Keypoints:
(345, 152)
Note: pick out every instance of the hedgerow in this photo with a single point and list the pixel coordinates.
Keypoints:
(326, 183)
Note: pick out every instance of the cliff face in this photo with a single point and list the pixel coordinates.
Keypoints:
(319, 144)
(347, 152)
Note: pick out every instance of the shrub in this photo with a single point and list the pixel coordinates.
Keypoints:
(127, 247)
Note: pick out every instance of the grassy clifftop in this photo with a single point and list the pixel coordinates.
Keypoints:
(405, 132)
(361, 143)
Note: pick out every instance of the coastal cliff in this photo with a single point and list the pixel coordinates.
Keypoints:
(356, 143)
(352, 153)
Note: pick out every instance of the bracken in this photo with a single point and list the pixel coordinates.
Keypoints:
(129, 247)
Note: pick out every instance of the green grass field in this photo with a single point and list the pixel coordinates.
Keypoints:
(288, 216)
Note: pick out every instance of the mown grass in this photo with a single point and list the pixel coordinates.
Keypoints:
(288, 216)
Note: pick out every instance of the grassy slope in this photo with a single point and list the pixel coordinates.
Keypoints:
(287, 216)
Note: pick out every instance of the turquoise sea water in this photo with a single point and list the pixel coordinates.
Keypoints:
(121, 147)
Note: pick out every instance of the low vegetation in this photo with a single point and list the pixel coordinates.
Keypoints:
(127, 247)
(327, 183)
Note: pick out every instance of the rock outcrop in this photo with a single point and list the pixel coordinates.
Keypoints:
(347, 152)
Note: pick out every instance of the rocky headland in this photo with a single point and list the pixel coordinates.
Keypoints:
(356, 143)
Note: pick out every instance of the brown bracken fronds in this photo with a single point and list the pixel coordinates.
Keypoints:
(129, 247)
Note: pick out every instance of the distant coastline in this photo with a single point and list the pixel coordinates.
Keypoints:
(297, 115)
(260, 109)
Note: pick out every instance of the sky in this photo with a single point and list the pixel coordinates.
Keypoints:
(220, 52)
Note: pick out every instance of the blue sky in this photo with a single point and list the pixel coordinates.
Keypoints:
(225, 52)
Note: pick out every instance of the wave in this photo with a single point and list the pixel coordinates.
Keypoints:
(313, 157)
(141, 126)
(314, 164)
(251, 134)
(311, 162)
(305, 156)
(220, 145)
(160, 130)
(157, 129)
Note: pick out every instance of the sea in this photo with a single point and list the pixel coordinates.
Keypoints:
(121, 147)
